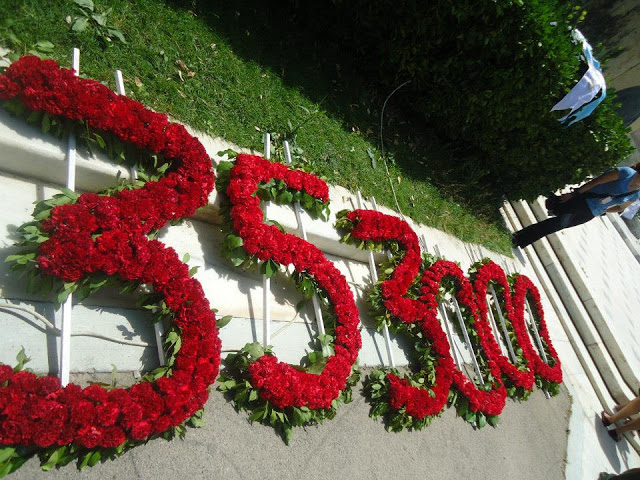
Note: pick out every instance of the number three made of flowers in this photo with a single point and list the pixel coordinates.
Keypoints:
(100, 236)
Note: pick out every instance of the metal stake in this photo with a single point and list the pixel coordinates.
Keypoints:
(266, 281)
(158, 327)
(65, 338)
(303, 233)
(374, 277)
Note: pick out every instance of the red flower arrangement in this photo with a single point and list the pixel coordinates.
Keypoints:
(279, 383)
(550, 372)
(108, 235)
(404, 395)
(490, 272)
(418, 402)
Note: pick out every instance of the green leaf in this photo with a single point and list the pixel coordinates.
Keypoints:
(100, 19)
(196, 422)
(85, 4)
(186, 258)
(372, 158)
(481, 420)
(6, 453)
(237, 256)
(221, 322)
(100, 141)
(22, 359)
(116, 33)
(95, 458)
(80, 25)
(255, 350)
(269, 268)
(46, 123)
(233, 241)
(493, 420)
(70, 194)
(44, 46)
(53, 459)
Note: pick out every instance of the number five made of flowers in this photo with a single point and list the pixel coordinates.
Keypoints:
(277, 393)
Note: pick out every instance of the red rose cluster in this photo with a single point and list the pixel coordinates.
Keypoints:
(280, 383)
(109, 235)
(418, 402)
(371, 225)
(490, 272)
(550, 371)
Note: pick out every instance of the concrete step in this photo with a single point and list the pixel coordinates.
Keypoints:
(601, 368)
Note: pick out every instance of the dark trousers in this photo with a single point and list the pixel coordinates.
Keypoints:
(569, 214)
(633, 474)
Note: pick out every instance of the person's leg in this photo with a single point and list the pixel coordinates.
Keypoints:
(629, 409)
(536, 231)
(629, 426)
(571, 213)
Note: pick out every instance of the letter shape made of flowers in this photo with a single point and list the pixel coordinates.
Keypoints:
(108, 235)
(280, 383)
(519, 378)
(550, 372)
(417, 401)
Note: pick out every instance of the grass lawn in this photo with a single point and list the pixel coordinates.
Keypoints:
(238, 71)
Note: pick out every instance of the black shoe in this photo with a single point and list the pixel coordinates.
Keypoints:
(551, 204)
(514, 240)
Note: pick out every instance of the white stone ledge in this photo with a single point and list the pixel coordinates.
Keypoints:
(33, 168)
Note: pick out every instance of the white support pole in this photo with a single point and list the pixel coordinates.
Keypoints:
(158, 327)
(266, 281)
(494, 327)
(534, 327)
(375, 208)
(445, 320)
(119, 83)
(443, 312)
(538, 339)
(374, 279)
(466, 339)
(424, 243)
(503, 325)
(65, 337)
(303, 233)
(465, 335)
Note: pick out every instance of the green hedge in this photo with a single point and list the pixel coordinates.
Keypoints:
(487, 74)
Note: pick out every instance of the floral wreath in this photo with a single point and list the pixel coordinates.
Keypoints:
(81, 243)
(85, 242)
(275, 392)
(549, 373)
(408, 303)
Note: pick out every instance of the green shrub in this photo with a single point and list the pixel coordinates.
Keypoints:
(486, 73)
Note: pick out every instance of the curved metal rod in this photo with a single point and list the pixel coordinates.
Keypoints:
(56, 331)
